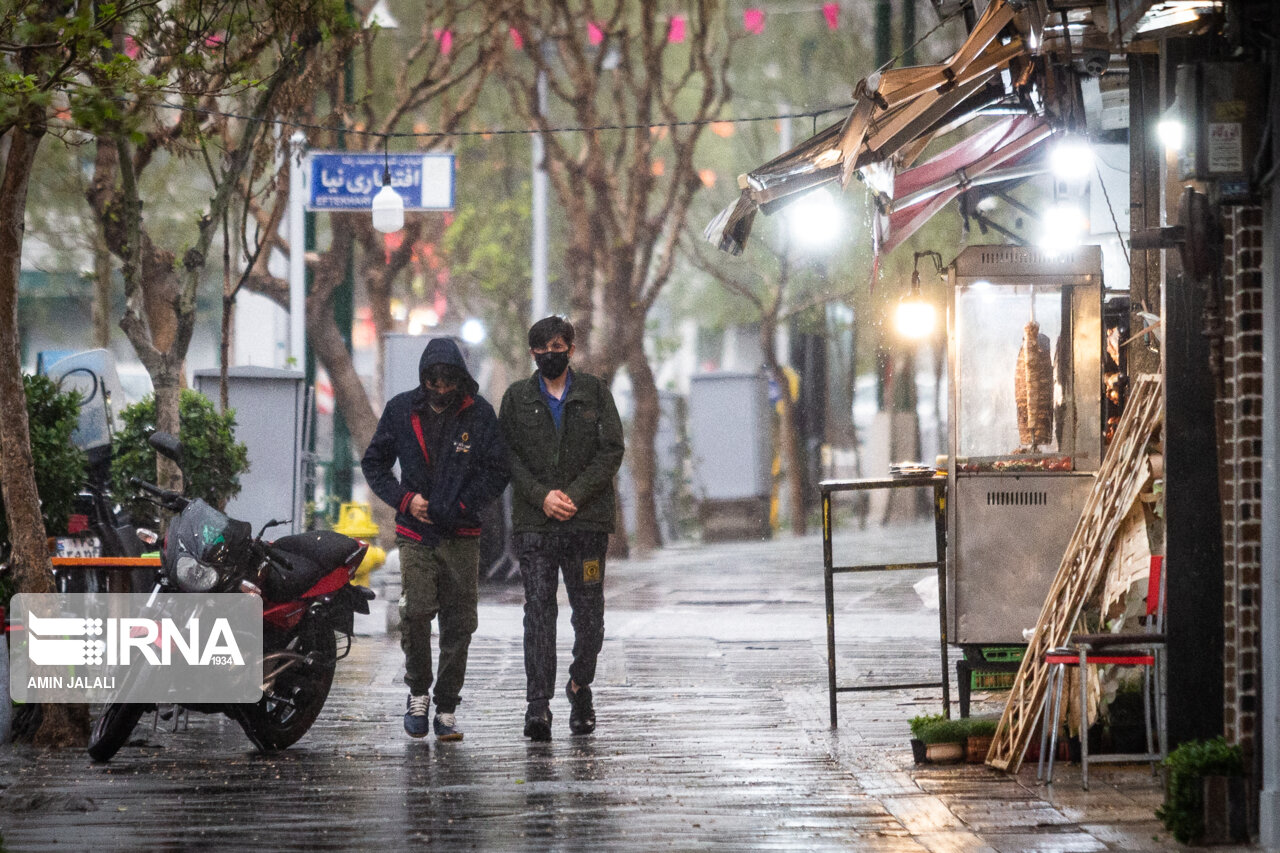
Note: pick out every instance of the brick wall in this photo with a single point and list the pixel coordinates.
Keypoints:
(1240, 419)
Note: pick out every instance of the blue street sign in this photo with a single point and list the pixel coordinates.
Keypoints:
(346, 180)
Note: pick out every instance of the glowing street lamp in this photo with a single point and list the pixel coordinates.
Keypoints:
(388, 206)
(473, 331)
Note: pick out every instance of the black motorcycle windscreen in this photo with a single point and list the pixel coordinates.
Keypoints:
(206, 534)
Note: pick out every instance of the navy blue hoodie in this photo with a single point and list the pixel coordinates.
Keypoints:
(463, 470)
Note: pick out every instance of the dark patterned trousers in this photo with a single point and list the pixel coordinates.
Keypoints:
(438, 581)
(543, 556)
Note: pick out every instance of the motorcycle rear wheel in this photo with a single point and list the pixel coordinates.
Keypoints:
(276, 724)
(113, 728)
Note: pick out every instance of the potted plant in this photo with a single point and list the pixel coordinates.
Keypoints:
(918, 724)
(982, 732)
(1206, 779)
(944, 740)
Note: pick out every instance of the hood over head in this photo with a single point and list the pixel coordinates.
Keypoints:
(445, 351)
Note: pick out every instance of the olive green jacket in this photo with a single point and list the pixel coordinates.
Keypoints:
(580, 459)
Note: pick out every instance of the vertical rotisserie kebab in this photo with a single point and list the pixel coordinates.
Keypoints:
(1033, 387)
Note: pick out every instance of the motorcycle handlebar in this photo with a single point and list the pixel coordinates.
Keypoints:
(168, 499)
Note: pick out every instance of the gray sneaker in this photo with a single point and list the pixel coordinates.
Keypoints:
(446, 726)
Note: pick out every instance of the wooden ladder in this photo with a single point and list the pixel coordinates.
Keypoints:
(1124, 474)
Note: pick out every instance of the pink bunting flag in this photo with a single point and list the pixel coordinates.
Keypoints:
(131, 48)
(516, 39)
(594, 33)
(831, 11)
(753, 21)
(445, 37)
(675, 29)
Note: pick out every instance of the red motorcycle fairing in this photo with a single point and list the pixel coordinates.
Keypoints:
(284, 616)
(331, 582)
(287, 615)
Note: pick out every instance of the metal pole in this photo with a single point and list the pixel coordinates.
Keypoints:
(344, 315)
(538, 307)
(1269, 716)
(940, 549)
(829, 588)
(297, 254)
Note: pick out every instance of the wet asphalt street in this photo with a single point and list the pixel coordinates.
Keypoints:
(713, 734)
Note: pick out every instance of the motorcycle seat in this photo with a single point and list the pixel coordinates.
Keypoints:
(304, 559)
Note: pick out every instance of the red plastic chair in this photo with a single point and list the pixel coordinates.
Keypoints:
(1145, 649)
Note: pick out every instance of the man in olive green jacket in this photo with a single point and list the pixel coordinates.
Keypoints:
(565, 443)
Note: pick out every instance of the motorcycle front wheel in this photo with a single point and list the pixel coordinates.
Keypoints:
(113, 728)
(279, 718)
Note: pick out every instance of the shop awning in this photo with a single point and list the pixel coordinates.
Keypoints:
(893, 110)
(993, 155)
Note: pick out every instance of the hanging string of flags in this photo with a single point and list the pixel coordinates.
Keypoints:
(753, 22)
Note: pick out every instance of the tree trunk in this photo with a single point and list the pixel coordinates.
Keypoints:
(901, 401)
(349, 396)
(791, 464)
(61, 725)
(787, 451)
(32, 570)
(102, 313)
(642, 452)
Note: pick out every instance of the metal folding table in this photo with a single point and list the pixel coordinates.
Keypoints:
(830, 570)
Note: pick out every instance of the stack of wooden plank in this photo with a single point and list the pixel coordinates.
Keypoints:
(1123, 476)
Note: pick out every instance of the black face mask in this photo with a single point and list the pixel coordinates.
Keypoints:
(442, 399)
(552, 364)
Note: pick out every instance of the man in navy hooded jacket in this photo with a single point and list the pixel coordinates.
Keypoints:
(453, 462)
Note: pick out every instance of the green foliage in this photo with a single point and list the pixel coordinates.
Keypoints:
(918, 723)
(1183, 809)
(982, 726)
(59, 465)
(486, 248)
(212, 459)
(940, 730)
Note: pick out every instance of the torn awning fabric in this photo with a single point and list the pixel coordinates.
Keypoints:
(995, 154)
(892, 110)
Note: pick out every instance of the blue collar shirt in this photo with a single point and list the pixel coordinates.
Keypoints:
(556, 404)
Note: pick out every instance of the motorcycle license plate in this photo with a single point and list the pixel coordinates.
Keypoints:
(78, 547)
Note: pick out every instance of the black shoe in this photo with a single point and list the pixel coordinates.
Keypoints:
(537, 723)
(582, 714)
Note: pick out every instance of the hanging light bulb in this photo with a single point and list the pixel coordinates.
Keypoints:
(915, 316)
(388, 206)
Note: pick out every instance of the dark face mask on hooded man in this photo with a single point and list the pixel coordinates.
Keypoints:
(441, 375)
(443, 399)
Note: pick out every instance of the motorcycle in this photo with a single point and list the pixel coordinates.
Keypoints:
(304, 581)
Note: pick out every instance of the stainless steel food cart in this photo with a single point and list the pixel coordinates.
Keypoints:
(1023, 452)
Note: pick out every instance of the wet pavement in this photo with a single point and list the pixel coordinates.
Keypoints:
(712, 699)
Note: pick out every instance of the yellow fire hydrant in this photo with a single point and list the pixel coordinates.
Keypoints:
(355, 519)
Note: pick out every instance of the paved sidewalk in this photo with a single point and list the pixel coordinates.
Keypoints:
(712, 700)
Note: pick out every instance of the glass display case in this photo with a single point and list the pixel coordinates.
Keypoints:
(1025, 339)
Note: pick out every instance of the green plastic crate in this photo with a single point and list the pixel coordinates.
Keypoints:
(991, 680)
(1003, 654)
